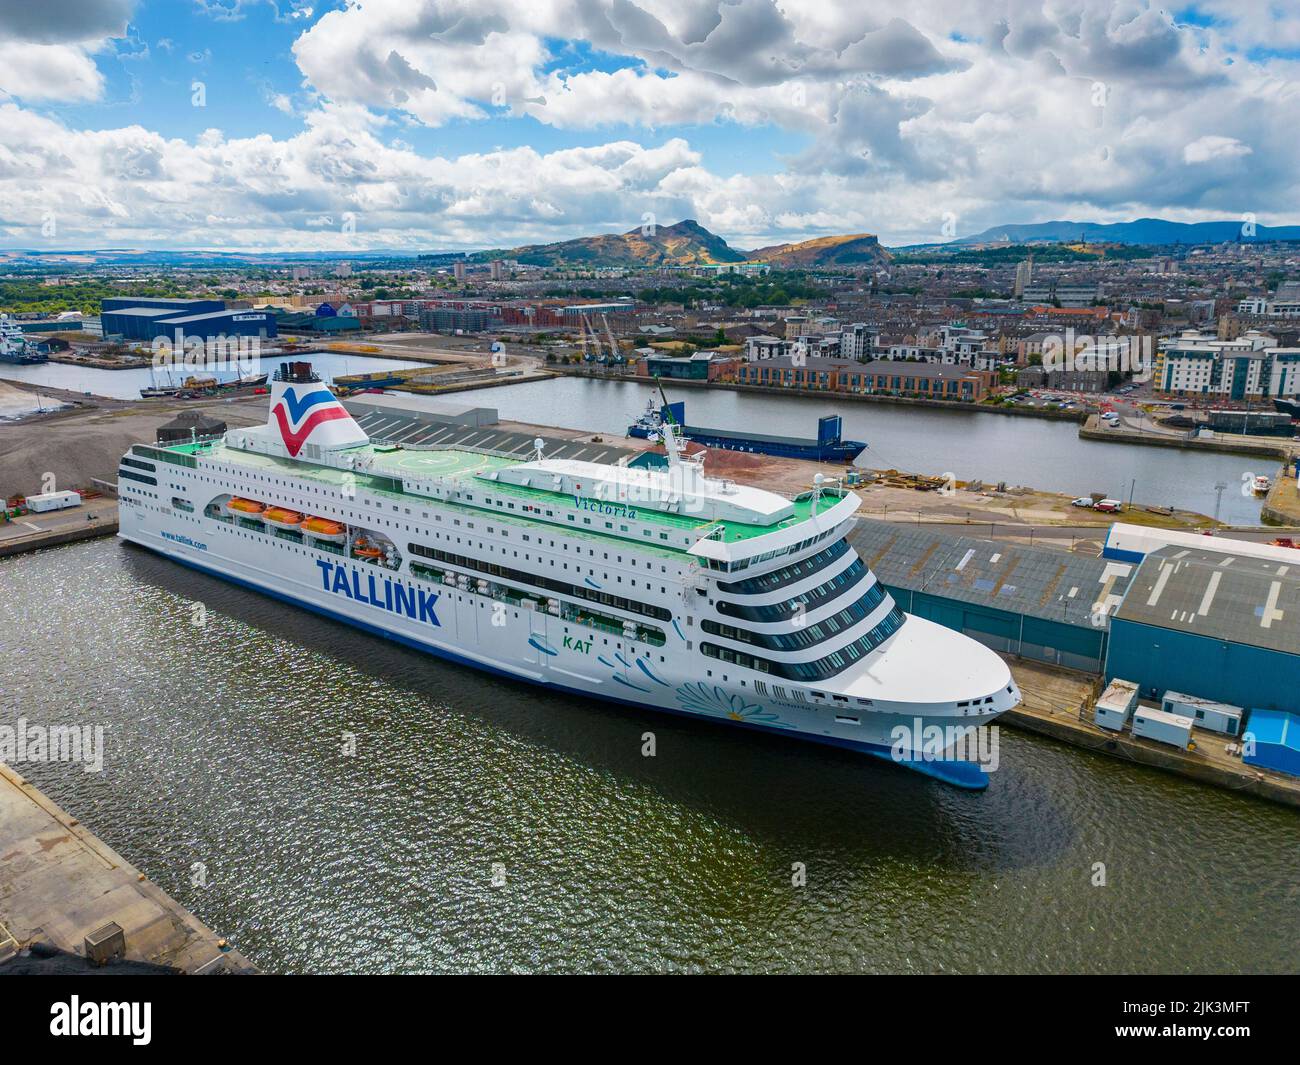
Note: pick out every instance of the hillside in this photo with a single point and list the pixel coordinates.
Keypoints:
(1139, 231)
(689, 244)
(685, 244)
(850, 250)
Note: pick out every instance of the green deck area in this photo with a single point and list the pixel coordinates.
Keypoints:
(470, 467)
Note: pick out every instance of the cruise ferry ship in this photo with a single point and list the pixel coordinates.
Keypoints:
(663, 589)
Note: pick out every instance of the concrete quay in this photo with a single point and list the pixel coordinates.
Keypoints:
(59, 883)
(1058, 703)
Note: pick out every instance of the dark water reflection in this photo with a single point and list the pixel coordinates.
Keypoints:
(225, 747)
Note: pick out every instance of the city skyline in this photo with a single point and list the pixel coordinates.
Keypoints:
(265, 126)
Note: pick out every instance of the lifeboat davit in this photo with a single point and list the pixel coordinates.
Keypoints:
(245, 508)
(282, 517)
(324, 529)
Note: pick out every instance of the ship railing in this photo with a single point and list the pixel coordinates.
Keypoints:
(206, 441)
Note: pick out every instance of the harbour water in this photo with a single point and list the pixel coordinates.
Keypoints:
(126, 384)
(1037, 452)
(481, 825)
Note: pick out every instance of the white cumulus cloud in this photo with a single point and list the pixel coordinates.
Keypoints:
(1204, 149)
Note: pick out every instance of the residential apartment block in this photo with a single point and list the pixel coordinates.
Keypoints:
(1251, 366)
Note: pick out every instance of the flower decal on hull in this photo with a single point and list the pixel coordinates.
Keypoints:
(712, 701)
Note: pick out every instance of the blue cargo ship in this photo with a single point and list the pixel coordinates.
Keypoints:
(828, 447)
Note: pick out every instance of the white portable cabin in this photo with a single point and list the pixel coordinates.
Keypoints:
(1216, 717)
(1115, 706)
(1173, 729)
(39, 504)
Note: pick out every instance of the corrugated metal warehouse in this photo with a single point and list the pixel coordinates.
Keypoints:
(1040, 603)
(133, 323)
(145, 319)
(1213, 624)
(236, 323)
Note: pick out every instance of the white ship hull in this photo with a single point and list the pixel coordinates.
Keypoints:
(528, 645)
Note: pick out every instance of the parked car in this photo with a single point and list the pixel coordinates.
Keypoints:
(1108, 506)
(1082, 501)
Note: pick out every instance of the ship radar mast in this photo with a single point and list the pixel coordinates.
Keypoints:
(820, 485)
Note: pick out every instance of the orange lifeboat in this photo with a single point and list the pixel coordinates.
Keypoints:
(324, 529)
(245, 508)
(364, 549)
(282, 517)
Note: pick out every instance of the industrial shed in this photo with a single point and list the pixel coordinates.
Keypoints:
(1039, 603)
(1213, 624)
(1274, 741)
(212, 324)
(149, 319)
(189, 425)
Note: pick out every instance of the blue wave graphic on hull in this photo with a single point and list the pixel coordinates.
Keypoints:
(646, 670)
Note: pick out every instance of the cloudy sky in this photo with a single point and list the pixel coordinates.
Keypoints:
(437, 124)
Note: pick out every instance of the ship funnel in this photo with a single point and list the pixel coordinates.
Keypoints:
(305, 413)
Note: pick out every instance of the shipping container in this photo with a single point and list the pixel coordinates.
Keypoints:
(1216, 717)
(1173, 729)
(38, 504)
(1115, 706)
